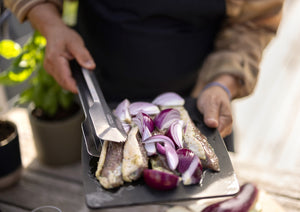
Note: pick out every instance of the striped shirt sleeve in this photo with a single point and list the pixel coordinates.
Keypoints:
(20, 8)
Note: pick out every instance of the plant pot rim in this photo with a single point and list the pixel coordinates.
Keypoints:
(31, 108)
(10, 137)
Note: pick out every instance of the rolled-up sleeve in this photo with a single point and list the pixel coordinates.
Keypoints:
(249, 27)
(20, 8)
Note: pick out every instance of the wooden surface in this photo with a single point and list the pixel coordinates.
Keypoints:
(62, 186)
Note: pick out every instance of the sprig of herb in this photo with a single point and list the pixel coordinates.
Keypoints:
(27, 64)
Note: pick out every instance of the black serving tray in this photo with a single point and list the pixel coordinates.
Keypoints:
(213, 184)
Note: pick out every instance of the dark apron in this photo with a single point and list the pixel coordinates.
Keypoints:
(143, 48)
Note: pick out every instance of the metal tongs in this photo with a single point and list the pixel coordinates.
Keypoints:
(99, 124)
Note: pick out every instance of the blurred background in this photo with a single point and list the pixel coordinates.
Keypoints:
(267, 123)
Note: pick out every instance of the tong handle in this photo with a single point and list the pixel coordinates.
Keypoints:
(84, 95)
(105, 125)
(90, 85)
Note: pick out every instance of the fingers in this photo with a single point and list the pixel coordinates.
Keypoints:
(210, 110)
(82, 55)
(59, 51)
(215, 106)
(58, 67)
(225, 126)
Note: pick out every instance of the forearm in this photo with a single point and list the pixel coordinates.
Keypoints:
(45, 18)
(249, 27)
(20, 8)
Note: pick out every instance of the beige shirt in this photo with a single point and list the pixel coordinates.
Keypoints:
(248, 28)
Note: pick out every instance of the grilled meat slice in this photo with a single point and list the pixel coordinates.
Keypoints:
(134, 156)
(109, 170)
(197, 142)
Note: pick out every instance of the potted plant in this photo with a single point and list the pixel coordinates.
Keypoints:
(54, 113)
(10, 157)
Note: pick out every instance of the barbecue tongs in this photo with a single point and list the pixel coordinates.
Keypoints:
(99, 124)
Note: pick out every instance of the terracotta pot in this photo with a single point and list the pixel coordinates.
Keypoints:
(57, 142)
(10, 157)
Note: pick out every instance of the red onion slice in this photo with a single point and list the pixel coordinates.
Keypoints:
(175, 132)
(143, 121)
(160, 180)
(122, 111)
(144, 107)
(166, 117)
(168, 99)
(189, 166)
(193, 174)
(150, 149)
(160, 138)
(172, 157)
(245, 200)
(146, 134)
(160, 149)
(185, 157)
(168, 148)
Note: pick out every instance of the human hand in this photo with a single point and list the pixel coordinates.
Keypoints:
(215, 105)
(63, 44)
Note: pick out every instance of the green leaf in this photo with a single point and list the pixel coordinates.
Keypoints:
(65, 98)
(50, 105)
(38, 94)
(9, 49)
(39, 40)
(43, 90)
(26, 96)
(14, 76)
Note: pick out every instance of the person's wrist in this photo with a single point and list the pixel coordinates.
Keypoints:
(218, 84)
(230, 82)
(45, 17)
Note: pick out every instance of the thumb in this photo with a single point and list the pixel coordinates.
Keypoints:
(211, 115)
(83, 56)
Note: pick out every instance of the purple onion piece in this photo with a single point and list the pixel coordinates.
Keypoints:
(148, 122)
(243, 201)
(144, 121)
(170, 152)
(193, 174)
(122, 111)
(166, 117)
(146, 133)
(150, 149)
(185, 157)
(160, 180)
(175, 132)
(160, 149)
(168, 147)
(168, 99)
(161, 139)
(172, 157)
(144, 107)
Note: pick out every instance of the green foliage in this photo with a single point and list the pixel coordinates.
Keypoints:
(27, 64)
(9, 49)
